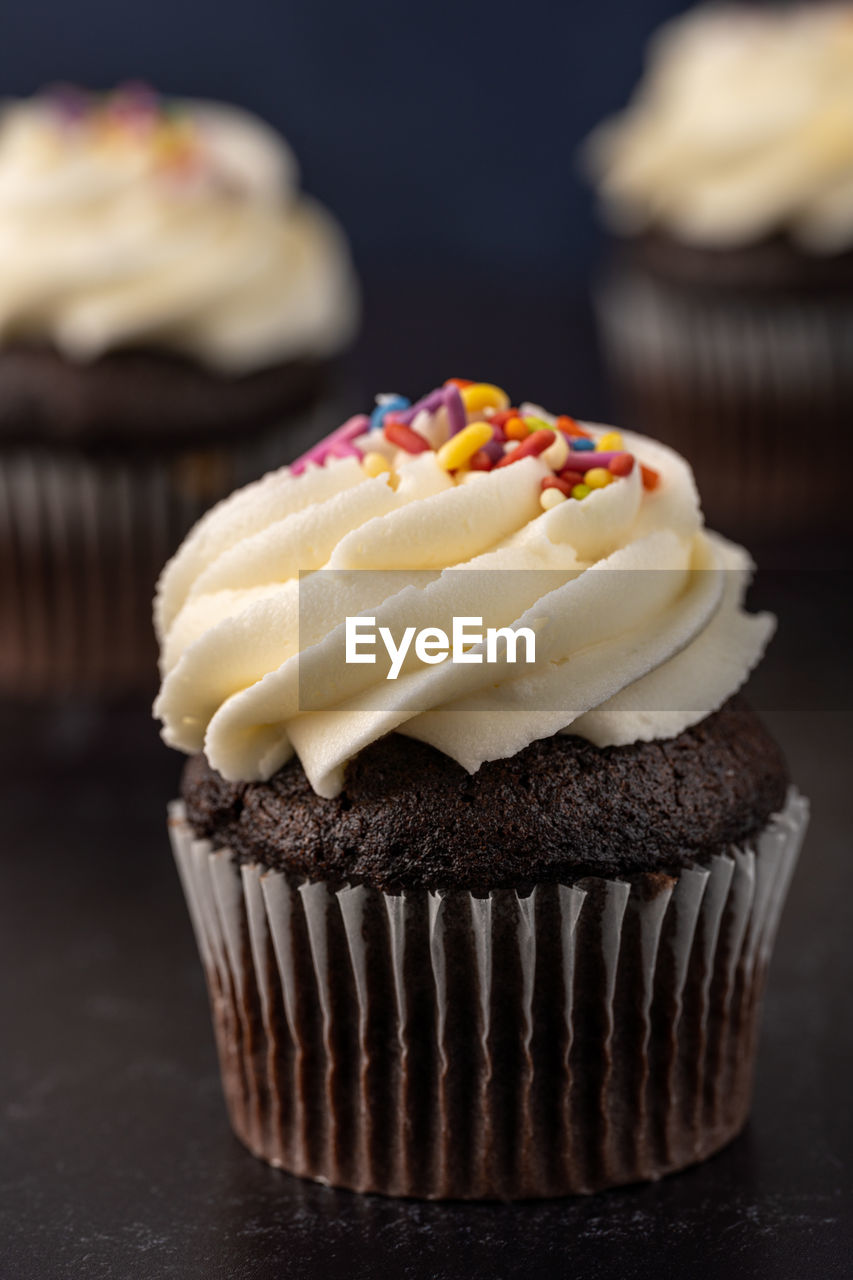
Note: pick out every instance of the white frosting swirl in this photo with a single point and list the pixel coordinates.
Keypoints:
(127, 224)
(251, 656)
(742, 126)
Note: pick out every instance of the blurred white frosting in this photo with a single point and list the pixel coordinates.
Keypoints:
(125, 221)
(741, 126)
(637, 611)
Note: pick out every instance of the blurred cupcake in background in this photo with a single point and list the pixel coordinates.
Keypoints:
(171, 310)
(727, 314)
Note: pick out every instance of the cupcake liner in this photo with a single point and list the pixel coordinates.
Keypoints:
(736, 383)
(445, 1045)
(83, 537)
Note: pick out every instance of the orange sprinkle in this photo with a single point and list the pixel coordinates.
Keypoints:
(622, 464)
(403, 437)
(651, 478)
(537, 442)
(458, 382)
(571, 427)
(516, 429)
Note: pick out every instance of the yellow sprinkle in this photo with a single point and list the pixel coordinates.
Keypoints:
(609, 441)
(374, 464)
(549, 498)
(459, 448)
(556, 454)
(174, 140)
(581, 490)
(536, 424)
(597, 478)
(482, 395)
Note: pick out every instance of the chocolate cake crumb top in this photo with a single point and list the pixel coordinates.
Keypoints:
(410, 817)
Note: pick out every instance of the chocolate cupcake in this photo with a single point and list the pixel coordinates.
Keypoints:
(170, 313)
(475, 924)
(727, 309)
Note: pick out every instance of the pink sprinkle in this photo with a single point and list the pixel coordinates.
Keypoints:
(336, 445)
(343, 449)
(354, 427)
(584, 460)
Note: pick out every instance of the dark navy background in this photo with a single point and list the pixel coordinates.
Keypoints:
(445, 136)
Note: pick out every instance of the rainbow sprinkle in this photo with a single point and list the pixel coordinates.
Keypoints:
(483, 432)
(131, 116)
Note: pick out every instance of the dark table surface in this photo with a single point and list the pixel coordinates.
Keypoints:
(115, 1155)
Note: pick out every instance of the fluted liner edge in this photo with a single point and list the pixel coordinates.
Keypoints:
(445, 1045)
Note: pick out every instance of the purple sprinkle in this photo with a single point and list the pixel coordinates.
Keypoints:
(584, 461)
(456, 415)
(430, 403)
(494, 450)
(69, 102)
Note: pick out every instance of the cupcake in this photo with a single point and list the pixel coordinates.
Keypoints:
(170, 311)
(488, 919)
(727, 311)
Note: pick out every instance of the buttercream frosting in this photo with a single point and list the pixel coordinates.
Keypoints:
(636, 608)
(742, 126)
(126, 221)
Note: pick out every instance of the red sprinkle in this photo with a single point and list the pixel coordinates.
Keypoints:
(571, 478)
(502, 416)
(622, 464)
(403, 437)
(537, 442)
(560, 482)
(480, 461)
(572, 428)
(651, 478)
(458, 382)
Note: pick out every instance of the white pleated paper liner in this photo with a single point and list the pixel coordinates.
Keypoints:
(444, 1045)
(83, 537)
(738, 385)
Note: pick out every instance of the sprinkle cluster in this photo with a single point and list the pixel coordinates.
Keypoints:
(131, 116)
(485, 433)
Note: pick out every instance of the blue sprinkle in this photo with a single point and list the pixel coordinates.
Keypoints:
(581, 445)
(386, 404)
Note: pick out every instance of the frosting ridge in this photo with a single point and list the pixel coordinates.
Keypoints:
(636, 608)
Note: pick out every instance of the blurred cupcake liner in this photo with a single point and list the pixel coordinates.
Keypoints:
(83, 537)
(741, 385)
(444, 1045)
